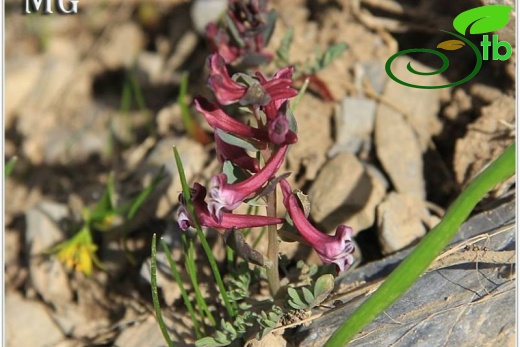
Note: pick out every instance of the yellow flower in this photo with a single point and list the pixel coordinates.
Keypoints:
(79, 252)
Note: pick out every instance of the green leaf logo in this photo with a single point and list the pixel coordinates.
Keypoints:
(482, 19)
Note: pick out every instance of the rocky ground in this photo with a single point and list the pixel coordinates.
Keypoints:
(381, 157)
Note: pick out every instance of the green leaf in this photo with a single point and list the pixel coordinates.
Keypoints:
(105, 205)
(307, 295)
(269, 27)
(483, 19)
(9, 167)
(322, 288)
(283, 51)
(295, 302)
(221, 337)
(234, 32)
(332, 53)
(208, 342)
(233, 172)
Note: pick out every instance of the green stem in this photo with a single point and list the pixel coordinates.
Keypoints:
(407, 273)
(273, 277)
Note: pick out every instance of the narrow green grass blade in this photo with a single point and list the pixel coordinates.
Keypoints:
(200, 234)
(407, 273)
(155, 295)
(138, 94)
(176, 275)
(189, 252)
(9, 167)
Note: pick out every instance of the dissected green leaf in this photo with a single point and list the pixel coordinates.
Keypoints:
(483, 19)
(283, 51)
(208, 342)
(307, 295)
(323, 287)
(295, 301)
(332, 53)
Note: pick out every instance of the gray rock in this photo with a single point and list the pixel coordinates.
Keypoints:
(355, 119)
(354, 125)
(121, 46)
(345, 193)
(27, 323)
(42, 229)
(47, 275)
(400, 221)
(450, 306)
(314, 130)
(399, 151)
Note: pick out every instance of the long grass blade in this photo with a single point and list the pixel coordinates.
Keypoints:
(155, 295)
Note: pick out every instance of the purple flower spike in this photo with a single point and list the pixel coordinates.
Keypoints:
(227, 197)
(235, 154)
(228, 220)
(337, 249)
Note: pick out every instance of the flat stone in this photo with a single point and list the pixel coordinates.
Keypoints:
(121, 46)
(399, 152)
(28, 324)
(47, 275)
(345, 193)
(354, 128)
(313, 117)
(400, 221)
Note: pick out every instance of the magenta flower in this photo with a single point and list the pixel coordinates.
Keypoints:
(218, 119)
(337, 249)
(260, 92)
(225, 196)
(228, 220)
(278, 128)
(279, 92)
(235, 154)
(219, 42)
